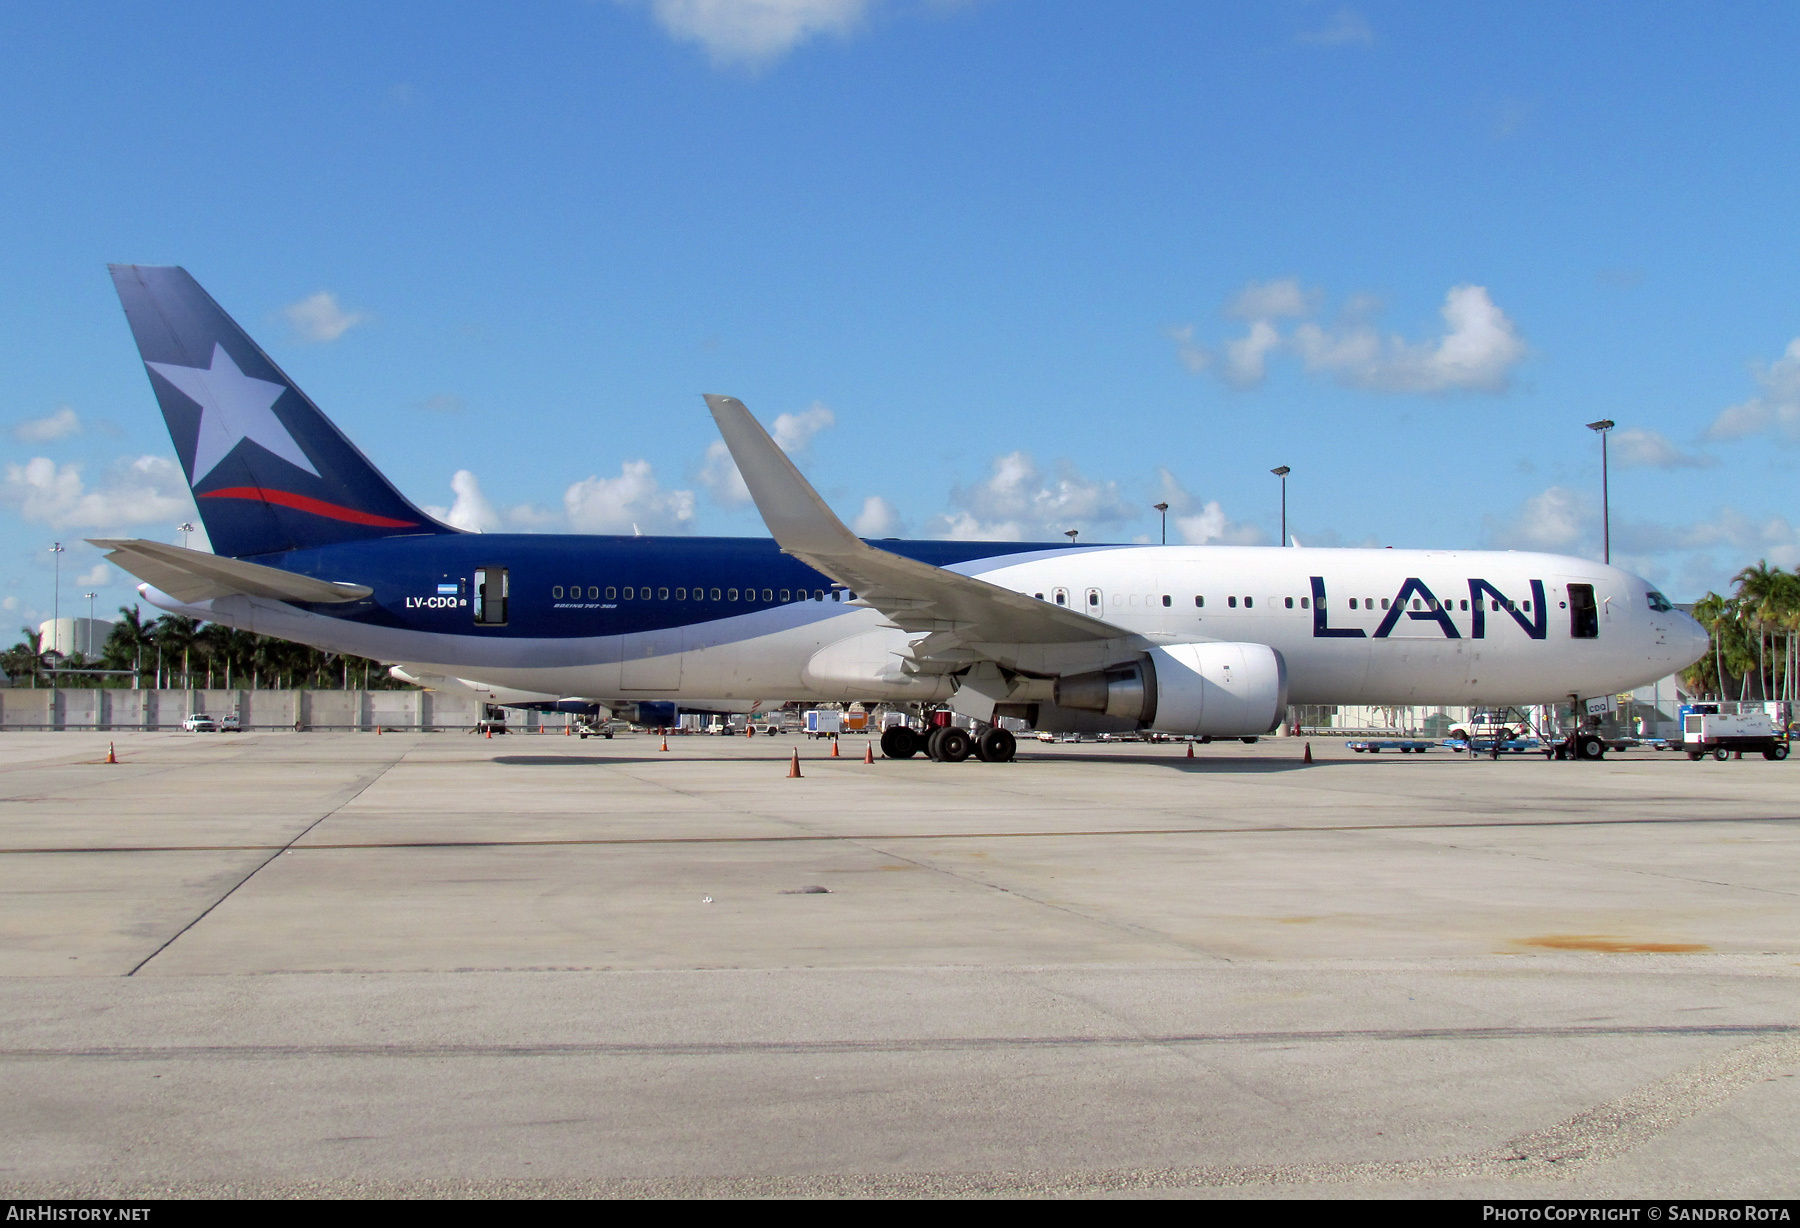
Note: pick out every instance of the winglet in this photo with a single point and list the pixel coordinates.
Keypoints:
(797, 518)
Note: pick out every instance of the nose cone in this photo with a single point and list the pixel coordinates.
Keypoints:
(1694, 639)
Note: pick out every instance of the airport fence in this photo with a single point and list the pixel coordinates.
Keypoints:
(119, 709)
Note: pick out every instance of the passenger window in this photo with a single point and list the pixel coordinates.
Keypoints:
(785, 596)
(818, 594)
(556, 592)
(1417, 604)
(612, 594)
(1465, 603)
(662, 594)
(1093, 596)
(1584, 615)
(1248, 602)
(1528, 607)
(1306, 603)
(1199, 602)
(730, 594)
(1062, 596)
(1039, 596)
(1353, 603)
(593, 592)
(681, 594)
(1232, 602)
(715, 594)
(1290, 602)
(768, 594)
(1167, 601)
(490, 596)
(1384, 603)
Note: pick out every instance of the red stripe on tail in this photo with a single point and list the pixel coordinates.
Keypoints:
(317, 507)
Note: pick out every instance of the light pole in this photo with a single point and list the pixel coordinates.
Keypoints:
(56, 553)
(1281, 471)
(1163, 508)
(1071, 534)
(90, 648)
(1601, 427)
(184, 528)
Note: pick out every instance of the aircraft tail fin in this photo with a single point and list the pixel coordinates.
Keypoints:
(269, 471)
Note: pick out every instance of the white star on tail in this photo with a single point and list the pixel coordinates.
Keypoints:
(233, 407)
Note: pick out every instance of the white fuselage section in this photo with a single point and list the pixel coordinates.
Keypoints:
(1426, 627)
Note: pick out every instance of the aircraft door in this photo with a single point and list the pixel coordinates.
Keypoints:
(1584, 614)
(490, 596)
(1091, 603)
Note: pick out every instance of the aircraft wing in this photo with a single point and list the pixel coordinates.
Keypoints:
(915, 596)
(194, 575)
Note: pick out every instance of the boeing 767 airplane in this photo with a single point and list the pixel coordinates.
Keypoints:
(311, 543)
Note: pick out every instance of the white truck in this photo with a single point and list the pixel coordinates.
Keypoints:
(1725, 736)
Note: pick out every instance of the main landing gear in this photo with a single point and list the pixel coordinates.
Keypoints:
(948, 744)
(1583, 745)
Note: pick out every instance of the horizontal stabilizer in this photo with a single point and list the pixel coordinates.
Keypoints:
(194, 575)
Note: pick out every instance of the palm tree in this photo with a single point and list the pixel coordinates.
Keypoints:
(1757, 594)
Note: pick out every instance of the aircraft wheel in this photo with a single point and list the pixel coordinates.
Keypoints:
(1590, 747)
(1721, 753)
(900, 743)
(1248, 741)
(996, 746)
(949, 745)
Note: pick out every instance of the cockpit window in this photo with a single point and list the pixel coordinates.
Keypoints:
(1658, 602)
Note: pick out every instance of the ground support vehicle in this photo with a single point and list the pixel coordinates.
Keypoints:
(199, 722)
(1485, 746)
(1406, 746)
(1725, 737)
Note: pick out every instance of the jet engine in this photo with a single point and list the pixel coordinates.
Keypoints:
(1221, 690)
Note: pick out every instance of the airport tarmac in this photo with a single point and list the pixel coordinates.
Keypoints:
(435, 964)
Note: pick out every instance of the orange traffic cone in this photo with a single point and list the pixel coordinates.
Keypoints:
(490, 731)
(378, 731)
(111, 757)
(794, 765)
(665, 744)
(869, 753)
(834, 749)
(568, 729)
(749, 731)
(1190, 753)
(1308, 756)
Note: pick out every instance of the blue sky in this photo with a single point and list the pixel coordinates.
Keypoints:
(990, 269)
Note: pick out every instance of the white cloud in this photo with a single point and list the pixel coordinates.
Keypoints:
(98, 575)
(1016, 503)
(1347, 27)
(51, 427)
(1201, 524)
(1558, 519)
(1194, 356)
(1246, 359)
(755, 32)
(1270, 300)
(633, 502)
(318, 317)
(1636, 448)
(1777, 409)
(1477, 353)
(793, 434)
(878, 518)
(139, 491)
(9, 604)
(471, 511)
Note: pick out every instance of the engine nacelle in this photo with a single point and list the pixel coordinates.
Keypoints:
(1221, 690)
